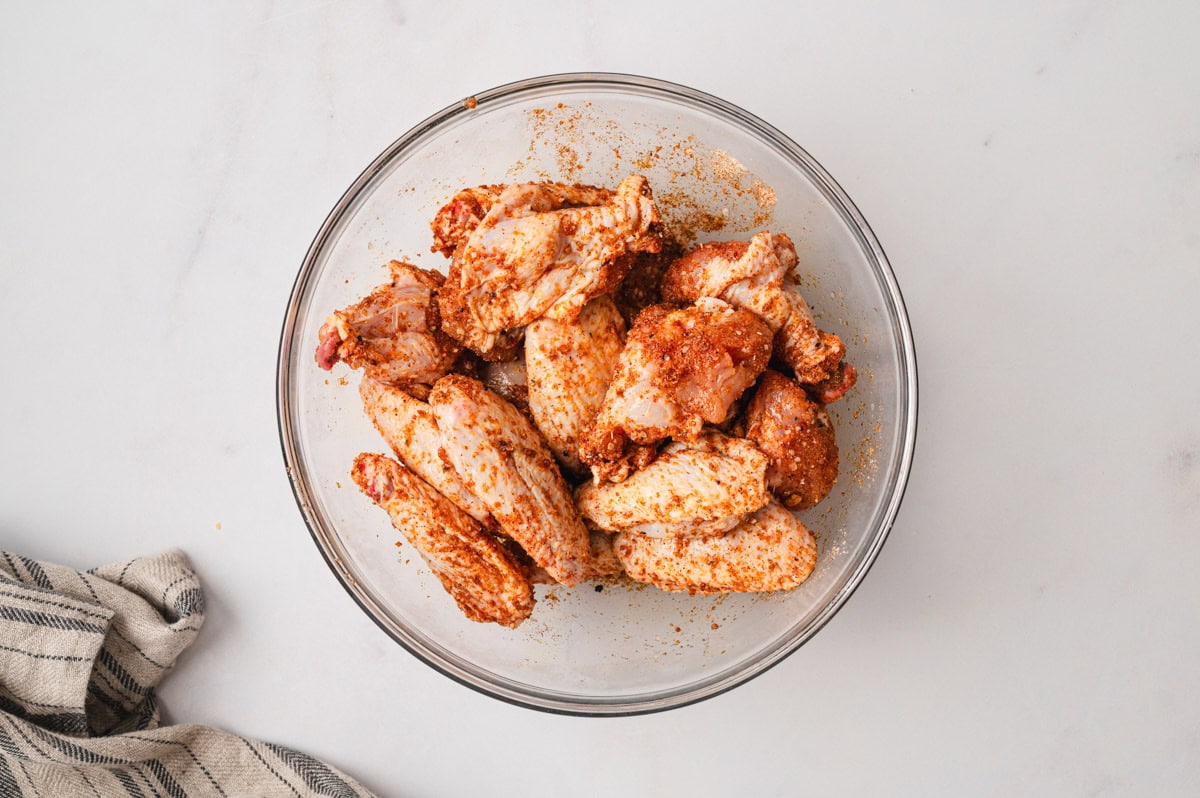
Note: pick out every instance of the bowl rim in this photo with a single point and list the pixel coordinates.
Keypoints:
(833, 192)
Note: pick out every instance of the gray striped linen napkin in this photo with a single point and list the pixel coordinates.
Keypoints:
(80, 656)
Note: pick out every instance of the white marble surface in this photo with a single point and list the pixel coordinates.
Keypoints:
(1033, 625)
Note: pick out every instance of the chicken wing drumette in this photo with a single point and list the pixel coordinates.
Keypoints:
(394, 334)
(483, 577)
(797, 435)
(530, 257)
(758, 275)
(680, 368)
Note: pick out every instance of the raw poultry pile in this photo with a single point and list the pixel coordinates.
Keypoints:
(577, 398)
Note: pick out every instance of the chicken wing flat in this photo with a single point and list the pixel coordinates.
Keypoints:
(458, 218)
(797, 435)
(483, 578)
(703, 487)
(502, 460)
(758, 275)
(394, 334)
(569, 366)
(528, 257)
(410, 428)
(770, 550)
(680, 368)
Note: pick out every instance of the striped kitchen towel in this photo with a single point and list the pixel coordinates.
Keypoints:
(80, 656)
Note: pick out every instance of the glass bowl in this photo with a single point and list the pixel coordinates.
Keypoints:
(719, 173)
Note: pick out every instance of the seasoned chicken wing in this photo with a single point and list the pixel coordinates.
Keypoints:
(529, 257)
(749, 274)
(569, 366)
(835, 386)
(758, 275)
(797, 435)
(680, 368)
(394, 334)
(476, 570)
(458, 218)
(811, 353)
(706, 486)
(502, 460)
(770, 550)
(410, 427)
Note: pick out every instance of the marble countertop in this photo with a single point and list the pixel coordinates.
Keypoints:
(1032, 626)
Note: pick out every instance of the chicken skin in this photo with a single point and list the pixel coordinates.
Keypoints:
(704, 487)
(680, 368)
(602, 563)
(569, 366)
(458, 218)
(394, 334)
(410, 428)
(835, 386)
(485, 580)
(797, 435)
(503, 460)
(758, 275)
(770, 550)
(530, 257)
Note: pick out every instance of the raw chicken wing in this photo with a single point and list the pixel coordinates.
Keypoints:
(758, 275)
(410, 427)
(394, 334)
(704, 487)
(797, 435)
(770, 550)
(811, 353)
(529, 257)
(457, 219)
(681, 368)
(569, 366)
(484, 579)
(835, 386)
(502, 460)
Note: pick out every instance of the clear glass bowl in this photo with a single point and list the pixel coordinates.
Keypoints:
(618, 650)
